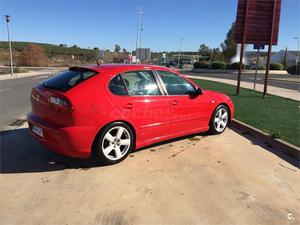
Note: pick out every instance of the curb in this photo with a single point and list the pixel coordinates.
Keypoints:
(286, 148)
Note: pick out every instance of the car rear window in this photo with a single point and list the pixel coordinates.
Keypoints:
(68, 79)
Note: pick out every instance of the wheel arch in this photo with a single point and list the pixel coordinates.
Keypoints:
(103, 127)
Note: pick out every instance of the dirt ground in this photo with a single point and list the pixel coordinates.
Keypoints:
(225, 179)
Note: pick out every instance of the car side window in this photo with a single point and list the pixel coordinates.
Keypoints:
(117, 86)
(176, 85)
(141, 83)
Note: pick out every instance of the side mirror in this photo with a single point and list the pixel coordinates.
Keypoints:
(199, 91)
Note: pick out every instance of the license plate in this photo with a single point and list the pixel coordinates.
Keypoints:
(38, 131)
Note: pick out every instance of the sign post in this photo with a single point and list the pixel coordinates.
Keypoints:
(257, 22)
(242, 50)
(270, 50)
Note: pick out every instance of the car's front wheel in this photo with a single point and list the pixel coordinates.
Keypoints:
(219, 120)
(114, 143)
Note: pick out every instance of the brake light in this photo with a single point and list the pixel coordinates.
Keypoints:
(60, 105)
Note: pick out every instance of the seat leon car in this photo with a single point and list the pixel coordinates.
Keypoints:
(106, 111)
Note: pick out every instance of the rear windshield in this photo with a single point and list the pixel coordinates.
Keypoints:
(67, 79)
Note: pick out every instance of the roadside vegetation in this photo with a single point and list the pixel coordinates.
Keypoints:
(277, 116)
(41, 54)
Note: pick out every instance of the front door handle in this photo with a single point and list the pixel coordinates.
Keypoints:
(128, 106)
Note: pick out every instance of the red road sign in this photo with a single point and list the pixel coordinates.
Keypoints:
(256, 16)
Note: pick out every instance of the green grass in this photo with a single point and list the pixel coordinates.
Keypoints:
(279, 117)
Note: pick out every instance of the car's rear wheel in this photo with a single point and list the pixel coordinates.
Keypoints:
(114, 143)
(219, 120)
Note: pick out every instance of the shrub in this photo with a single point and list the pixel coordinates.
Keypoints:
(218, 65)
(33, 55)
(20, 70)
(292, 69)
(201, 65)
(236, 65)
(228, 66)
(276, 66)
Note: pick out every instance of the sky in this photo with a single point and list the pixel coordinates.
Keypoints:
(102, 24)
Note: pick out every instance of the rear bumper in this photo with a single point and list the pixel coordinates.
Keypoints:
(73, 141)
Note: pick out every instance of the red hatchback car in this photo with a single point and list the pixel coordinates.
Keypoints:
(109, 110)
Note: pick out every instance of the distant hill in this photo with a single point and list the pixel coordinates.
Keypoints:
(50, 49)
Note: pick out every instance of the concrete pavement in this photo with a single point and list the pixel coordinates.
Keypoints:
(222, 179)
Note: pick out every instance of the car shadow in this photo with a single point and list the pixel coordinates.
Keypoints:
(20, 153)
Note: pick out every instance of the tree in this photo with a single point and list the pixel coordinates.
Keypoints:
(229, 46)
(124, 50)
(117, 48)
(63, 45)
(205, 52)
(96, 48)
(217, 55)
(33, 55)
(91, 56)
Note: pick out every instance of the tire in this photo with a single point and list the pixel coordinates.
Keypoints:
(114, 143)
(219, 122)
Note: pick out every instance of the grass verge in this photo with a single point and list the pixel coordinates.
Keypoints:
(277, 116)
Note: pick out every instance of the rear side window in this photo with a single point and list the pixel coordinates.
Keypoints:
(141, 83)
(68, 79)
(117, 87)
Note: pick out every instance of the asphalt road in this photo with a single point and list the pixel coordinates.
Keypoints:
(273, 81)
(15, 98)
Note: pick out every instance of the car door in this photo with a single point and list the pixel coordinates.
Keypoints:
(189, 110)
(142, 102)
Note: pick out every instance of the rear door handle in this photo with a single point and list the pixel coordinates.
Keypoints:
(174, 102)
(128, 106)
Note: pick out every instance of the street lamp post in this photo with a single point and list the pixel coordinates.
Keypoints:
(138, 33)
(178, 65)
(7, 17)
(297, 58)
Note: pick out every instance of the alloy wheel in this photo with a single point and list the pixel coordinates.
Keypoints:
(221, 119)
(116, 142)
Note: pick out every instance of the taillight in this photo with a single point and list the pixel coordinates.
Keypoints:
(60, 105)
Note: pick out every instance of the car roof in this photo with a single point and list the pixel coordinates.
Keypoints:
(125, 67)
